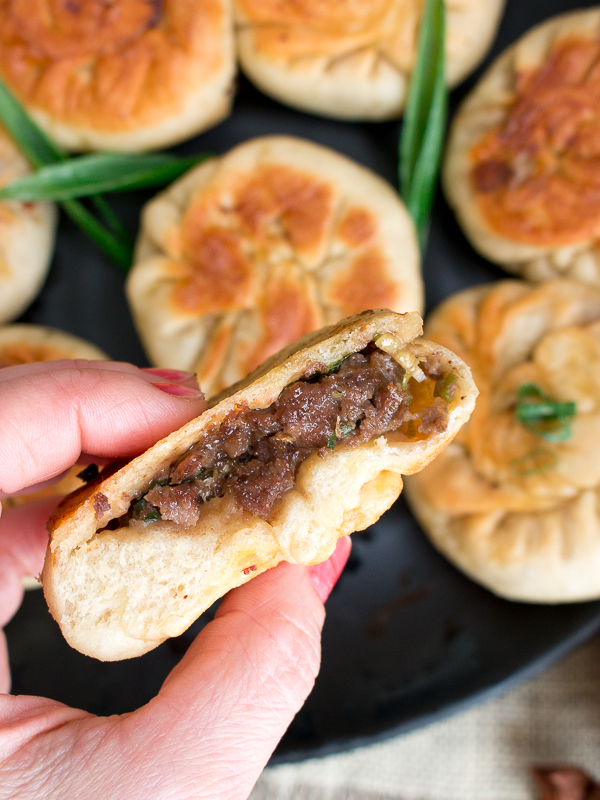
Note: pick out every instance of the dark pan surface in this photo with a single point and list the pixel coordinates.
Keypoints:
(408, 639)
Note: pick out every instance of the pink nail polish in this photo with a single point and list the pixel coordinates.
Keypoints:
(178, 390)
(171, 375)
(324, 576)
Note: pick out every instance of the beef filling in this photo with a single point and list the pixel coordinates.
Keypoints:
(254, 454)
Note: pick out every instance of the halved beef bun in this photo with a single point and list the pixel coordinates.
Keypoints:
(310, 447)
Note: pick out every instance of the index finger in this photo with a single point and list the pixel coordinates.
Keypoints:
(49, 416)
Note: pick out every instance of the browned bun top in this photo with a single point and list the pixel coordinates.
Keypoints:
(112, 66)
(352, 58)
(522, 162)
(536, 176)
(255, 249)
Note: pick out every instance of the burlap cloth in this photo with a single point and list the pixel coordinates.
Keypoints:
(483, 753)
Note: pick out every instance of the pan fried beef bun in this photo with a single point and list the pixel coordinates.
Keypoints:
(22, 344)
(129, 75)
(310, 447)
(26, 238)
(250, 251)
(522, 168)
(514, 501)
(352, 59)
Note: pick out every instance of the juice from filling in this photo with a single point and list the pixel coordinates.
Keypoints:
(536, 178)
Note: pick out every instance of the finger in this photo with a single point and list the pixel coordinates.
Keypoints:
(48, 418)
(325, 575)
(33, 367)
(23, 542)
(239, 685)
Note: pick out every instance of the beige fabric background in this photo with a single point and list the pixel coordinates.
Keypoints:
(481, 754)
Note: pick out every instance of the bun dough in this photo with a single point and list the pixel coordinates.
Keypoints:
(248, 252)
(518, 513)
(118, 593)
(22, 344)
(26, 238)
(130, 76)
(352, 59)
(522, 170)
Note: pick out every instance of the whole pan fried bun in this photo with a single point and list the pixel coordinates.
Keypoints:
(118, 586)
(26, 238)
(352, 59)
(521, 168)
(252, 250)
(124, 76)
(516, 504)
(22, 344)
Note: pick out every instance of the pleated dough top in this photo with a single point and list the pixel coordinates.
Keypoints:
(250, 251)
(130, 75)
(352, 58)
(523, 161)
(517, 506)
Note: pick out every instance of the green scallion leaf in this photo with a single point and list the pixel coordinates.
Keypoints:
(100, 172)
(37, 148)
(542, 415)
(114, 246)
(424, 123)
(40, 151)
(331, 442)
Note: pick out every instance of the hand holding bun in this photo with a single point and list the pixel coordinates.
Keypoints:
(131, 75)
(250, 669)
(514, 501)
(250, 251)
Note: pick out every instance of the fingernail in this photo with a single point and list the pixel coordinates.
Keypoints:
(324, 576)
(178, 390)
(171, 375)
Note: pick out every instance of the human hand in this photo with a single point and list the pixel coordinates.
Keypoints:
(222, 710)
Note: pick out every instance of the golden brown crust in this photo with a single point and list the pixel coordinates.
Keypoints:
(253, 250)
(512, 508)
(521, 167)
(345, 490)
(351, 59)
(118, 75)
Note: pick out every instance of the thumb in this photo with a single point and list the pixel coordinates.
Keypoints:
(240, 684)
